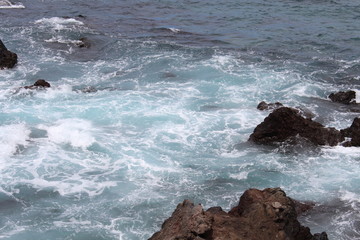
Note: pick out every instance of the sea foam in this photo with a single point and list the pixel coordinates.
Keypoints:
(76, 132)
(8, 4)
(12, 137)
(58, 23)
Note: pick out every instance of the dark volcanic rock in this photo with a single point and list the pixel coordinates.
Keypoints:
(287, 123)
(268, 106)
(7, 59)
(343, 97)
(41, 83)
(260, 215)
(352, 132)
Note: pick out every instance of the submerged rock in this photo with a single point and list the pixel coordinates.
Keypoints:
(260, 215)
(89, 89)
(269, 106)
(7, 59)
(347, 97)
(41, 83)
(287, 123)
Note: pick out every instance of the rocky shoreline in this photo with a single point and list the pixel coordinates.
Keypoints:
(260, 215)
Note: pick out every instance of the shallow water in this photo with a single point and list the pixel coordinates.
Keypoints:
(160, 108)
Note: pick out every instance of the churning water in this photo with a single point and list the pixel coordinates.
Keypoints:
(160, 108)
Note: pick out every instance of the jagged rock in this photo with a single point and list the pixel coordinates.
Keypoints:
(7, 59)
(352, 132)
(41, 83)
(260, 215)
(187, 222)
(347, 97)
(269, 106)
(287, 123)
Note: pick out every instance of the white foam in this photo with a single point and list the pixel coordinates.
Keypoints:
(8, 4)
(175, 30)
(240, 176)
(11, 137)
(58, 23)
(348, 196)
(60, 39)
(357, 95)
(348, 151)
(76, 132)
(72, 185)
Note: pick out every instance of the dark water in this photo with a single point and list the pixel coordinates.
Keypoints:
(159, 108)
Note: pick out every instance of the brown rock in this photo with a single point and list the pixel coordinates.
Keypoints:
(352, 132)
(302, 207)
(287, 123)
(260, 215)
(7, 59)
(187, 222)
(347, 97)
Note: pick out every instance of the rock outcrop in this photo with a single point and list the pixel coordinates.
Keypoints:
(352, 132)
(269, 106)
(41, 83)
(260, 215)
(287, 124)
(348, 97)
(7, 59)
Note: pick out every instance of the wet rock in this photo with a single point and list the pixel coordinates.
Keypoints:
(83, 43)
(260, 215)
(347, 97)
(320, 236)
(41, 83)
(303, 207)
(287, 123)
(187, 222)
(7, 59)
(269, 106)
(352, 132)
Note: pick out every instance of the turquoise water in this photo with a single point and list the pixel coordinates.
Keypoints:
(160, 108)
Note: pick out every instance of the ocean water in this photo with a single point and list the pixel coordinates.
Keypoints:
(160, 107)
